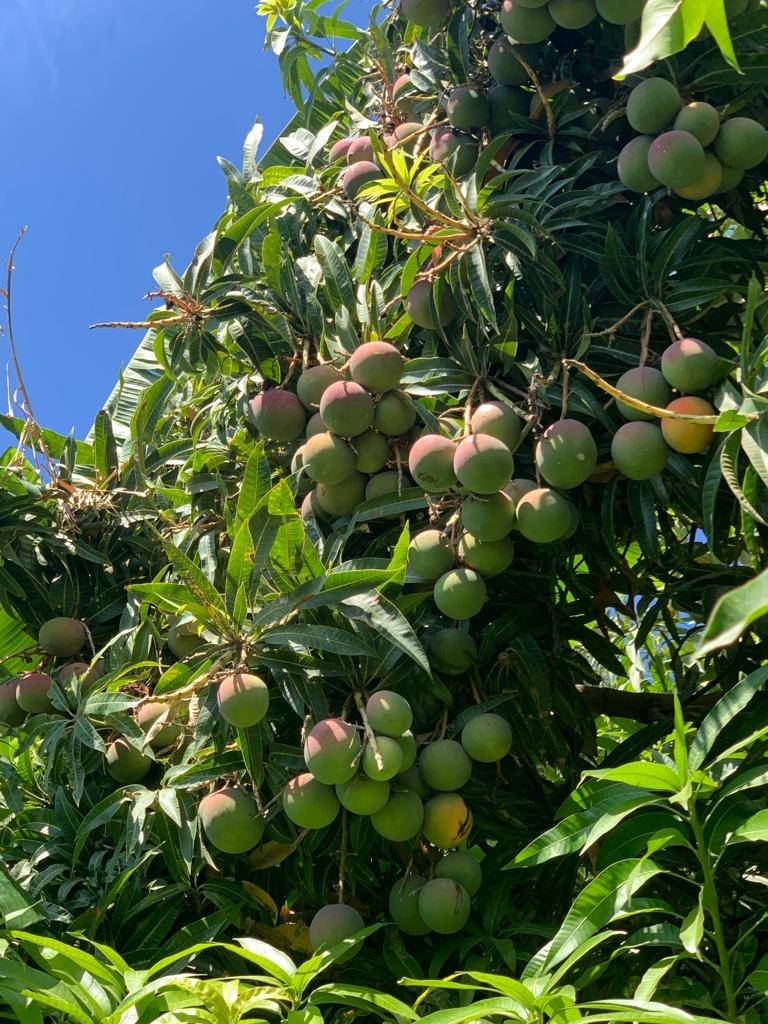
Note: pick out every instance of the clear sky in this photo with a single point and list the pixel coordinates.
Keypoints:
(114, 112)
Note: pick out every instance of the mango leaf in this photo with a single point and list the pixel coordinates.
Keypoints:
(754, 830)
(668, 26)
(643, 774)
(734, 613)
(721, 714)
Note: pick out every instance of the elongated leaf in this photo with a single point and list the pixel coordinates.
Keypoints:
(754, 830)
(643, 774)
(721, 714)
(734, 612)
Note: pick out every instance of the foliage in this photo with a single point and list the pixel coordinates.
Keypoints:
(622, 846)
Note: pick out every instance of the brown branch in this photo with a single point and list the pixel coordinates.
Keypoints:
(642, 707)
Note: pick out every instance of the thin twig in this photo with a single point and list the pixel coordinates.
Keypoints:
(369, 733)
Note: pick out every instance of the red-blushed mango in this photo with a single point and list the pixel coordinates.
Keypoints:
(430, 554)
(404, 905)
(361, 150)
(647, 385)
(684, 437)
(487, 738)
(689, 365)
(33, 693)
(444, 905)
(401, 818)
(309, 803)
(341, 499)
(149, 713)
(460, 593)
(544, 516)
(639, 450)
(311, 508)
(403, 97)
(243, 699)
(371, 452)
(357, 176)
(488, 557)
(461, 867)
(412, 780)
(483, 464)
(327, 459)
(504, 66)
(742, 143)
(452, 652)
(231, 820)
(346, 408)
(331, 751)
(573, 14)
(488, 518)
(498, 420)
(339, 150)
(10, 712)
(395, 414)
(676, 159)
(388, 713)
(457, 150)
(445, 765)
(447, 821)
(313, 382)
(633, 170)
(407, 744)
(702, 120)
(389, 760)
(653, 105)
(125, 763)
(517, 487)
(566, 454)
(278, 414)
(362, 795)
(708, 184)
(62, 636)
(467, 108)
(87, 674)
(376, 366)
(620, 12)
(419, 304)
(334, 923)
(430, 463)
(410, 136)
(526, 24)
(425, 13)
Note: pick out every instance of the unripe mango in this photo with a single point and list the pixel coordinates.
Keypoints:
(490, 517)
(327, 459)
(543, 515)
(639, 450)
(487, 738)
(401, 818)
(376, 366)
(313, 382)
(457, 150)
(362, 795)
(566, 454)
(646, 384)
(341, 499)
(707, 184)
(425, 13)
(63, 637)
(404, 905)
(388, 713)
(149, 713)
(653, 105)
(498, 420)
(483, 463)
(462, 868)
(361, 150)
(452, 651)
(489, 558)
(467, 108)
(407, 744)
(389, 762)
(573, 14)
(445, 765)
(526, 24)
(430, 554)
(430, 463)
(460, 593)
(125, 763)
(634, 172)
(32, 693)
(308, 803)
(243, 699)
(346, 408)
(419, 304)
(505, 68)
(371, 452)
(395, 414)
(357, 176)
(444, 905)
(689, 365)
(334, 923)
(742, 143)
(702, 120)
(231, 820)
(677, 159)
(620, 12)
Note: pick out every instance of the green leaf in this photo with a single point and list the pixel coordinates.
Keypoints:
(16, 908)
(733, 613)
(721, 714)
(692, 928)
(643, 774)
(754, 830)
(758, 979)
(319, 638)
(365, 999)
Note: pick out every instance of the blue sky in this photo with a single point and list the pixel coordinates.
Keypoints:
(114, 112)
